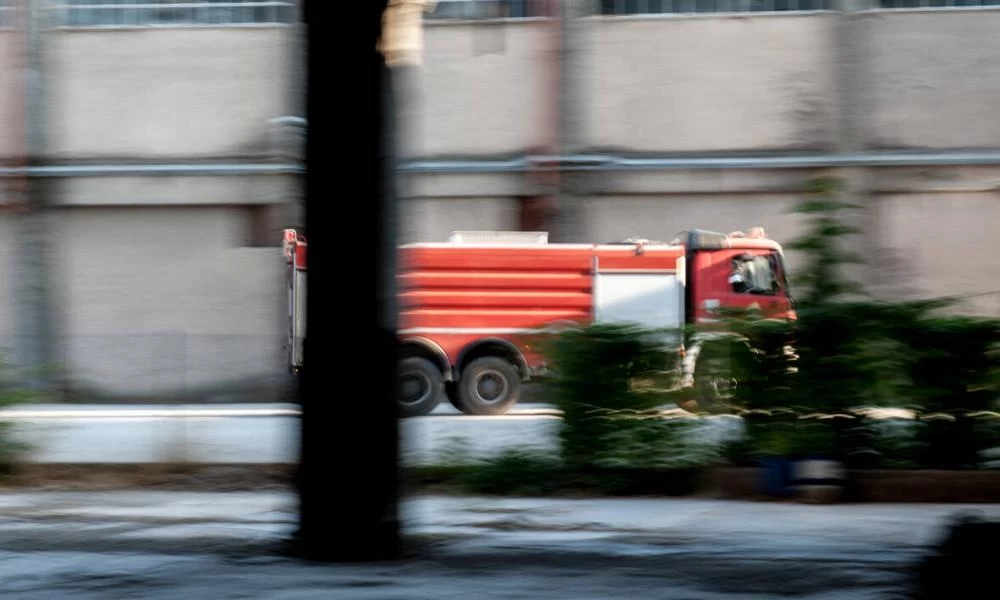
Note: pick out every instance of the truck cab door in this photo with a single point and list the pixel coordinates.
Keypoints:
(740, 280)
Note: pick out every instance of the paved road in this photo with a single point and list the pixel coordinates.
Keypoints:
(180, 544)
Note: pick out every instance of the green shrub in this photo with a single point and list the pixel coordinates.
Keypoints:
(13, 392)
(895, 444)
(823, 279)
(657, 443)
(986, 430)
(850, 353)
(955, 367)
(597, 370)
(515, 472)
(853, 355)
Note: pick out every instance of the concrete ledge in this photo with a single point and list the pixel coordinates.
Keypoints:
(731, 483)
(929, 486)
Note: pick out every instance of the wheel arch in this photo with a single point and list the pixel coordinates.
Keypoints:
(698, 342)
(498, 347)
(421, 347)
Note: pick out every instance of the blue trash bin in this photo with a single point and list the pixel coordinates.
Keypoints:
(776, 475)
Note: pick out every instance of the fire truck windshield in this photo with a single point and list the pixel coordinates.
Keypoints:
(761, 274)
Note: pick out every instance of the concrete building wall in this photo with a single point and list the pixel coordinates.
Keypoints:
(163, 285)
(485, 88)
(168, 300)
(162, 292)
(712, 83)
(654, 85)
(8, 226)
(164, 93)
(10, 143)
(936, 78)
(733, 85)
(943, 245)
(176, 190)
(433, 219)
(11, 88)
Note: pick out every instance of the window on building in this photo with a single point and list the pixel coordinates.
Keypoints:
(513, 9)
(911, 4)
(643, 7)
(490, 9)
(177, 13)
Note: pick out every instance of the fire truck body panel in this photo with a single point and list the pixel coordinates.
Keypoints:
(459, 296)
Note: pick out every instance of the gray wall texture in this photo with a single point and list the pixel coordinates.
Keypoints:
(161, 286)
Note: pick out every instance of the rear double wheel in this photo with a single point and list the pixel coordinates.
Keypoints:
(487, 386)
(421, 387)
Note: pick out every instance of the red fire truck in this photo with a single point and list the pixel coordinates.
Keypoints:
(466, 305)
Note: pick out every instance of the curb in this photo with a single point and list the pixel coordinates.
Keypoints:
(879, 486)
(228, 477)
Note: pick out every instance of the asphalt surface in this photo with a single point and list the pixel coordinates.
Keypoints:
(165, 545)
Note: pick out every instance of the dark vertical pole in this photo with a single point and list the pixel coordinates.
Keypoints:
(347, 479)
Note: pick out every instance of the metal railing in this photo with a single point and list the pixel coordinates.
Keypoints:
(172, 13)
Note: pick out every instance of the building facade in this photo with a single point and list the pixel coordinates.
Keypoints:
(156, 136)
(713, 113)
(148, 151)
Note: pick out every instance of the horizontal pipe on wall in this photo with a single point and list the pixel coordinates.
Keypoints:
(564, 163)
(614, 163)
(289, 120)
(142, 170)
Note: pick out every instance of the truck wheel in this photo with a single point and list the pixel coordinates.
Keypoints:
(421, 387)
(714, 383)
(488, 386)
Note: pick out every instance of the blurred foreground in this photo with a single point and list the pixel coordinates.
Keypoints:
(183, 544)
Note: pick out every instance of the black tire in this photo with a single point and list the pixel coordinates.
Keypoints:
(716, 378)
(488, 386)
(421, 387)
